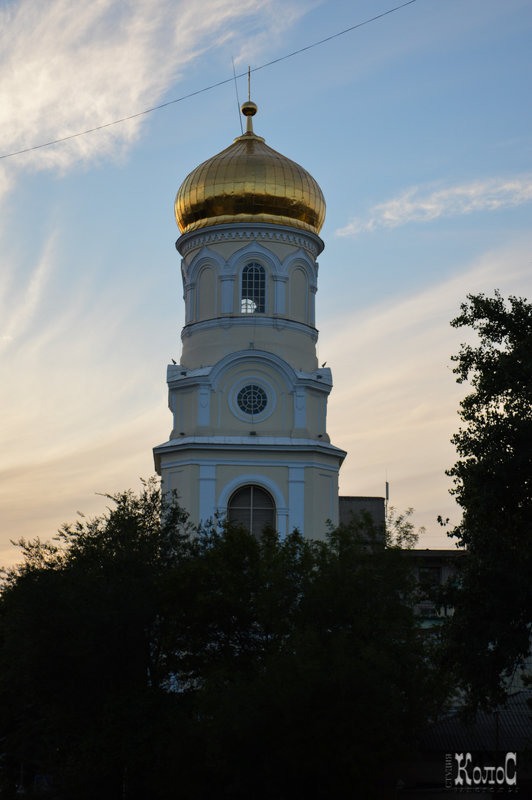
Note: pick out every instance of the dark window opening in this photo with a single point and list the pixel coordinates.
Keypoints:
(252, 399)
(253, 508)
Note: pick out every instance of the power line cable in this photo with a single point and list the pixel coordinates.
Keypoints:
(237, 98)
(207, 88)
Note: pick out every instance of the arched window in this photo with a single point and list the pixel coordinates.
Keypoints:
(299, 295)
(253, 508)
(253, 300)
(206, 294)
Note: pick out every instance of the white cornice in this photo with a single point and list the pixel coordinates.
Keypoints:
(249, 320)
(180, 377)
(249, 444)
(248, 231)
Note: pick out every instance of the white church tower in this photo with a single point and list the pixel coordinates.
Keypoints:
(249, 400)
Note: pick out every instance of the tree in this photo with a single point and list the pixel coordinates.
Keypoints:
(400, 531)
(82, 661)
(334, 682)
(140, 657)
(490, 632)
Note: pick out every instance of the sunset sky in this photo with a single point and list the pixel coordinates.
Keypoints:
(417, 126)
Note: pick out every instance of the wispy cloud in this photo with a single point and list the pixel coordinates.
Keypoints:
(16, 316)
(66, 67)
(418, 204)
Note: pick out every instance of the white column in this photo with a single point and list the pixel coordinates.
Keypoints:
(227, 290)
(279, 303)
(204, 406)
(296, 498)
(207, 491)
(189, 302)
(300, 408)
(313, 290)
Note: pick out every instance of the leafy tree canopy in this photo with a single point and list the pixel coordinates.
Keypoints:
(400, 530)
(490, 631)
(140, 657)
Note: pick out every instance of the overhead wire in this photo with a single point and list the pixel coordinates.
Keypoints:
(237, 98)
(209, 87)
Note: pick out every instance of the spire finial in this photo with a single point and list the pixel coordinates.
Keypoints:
(249, 109)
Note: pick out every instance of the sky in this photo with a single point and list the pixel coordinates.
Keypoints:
(418, 128)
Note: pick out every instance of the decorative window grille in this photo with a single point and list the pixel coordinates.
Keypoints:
(253, 508)
(252, 399)
(253, 299)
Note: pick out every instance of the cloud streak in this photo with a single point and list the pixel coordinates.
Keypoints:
(66, 67)
(417, 204)
(17, 316)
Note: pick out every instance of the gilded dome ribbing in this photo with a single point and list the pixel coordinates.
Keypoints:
(249, 182)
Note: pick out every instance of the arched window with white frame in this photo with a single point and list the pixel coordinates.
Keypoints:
(253, 296)
(253, 508)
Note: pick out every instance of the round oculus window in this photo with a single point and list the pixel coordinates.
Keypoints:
(252, 399)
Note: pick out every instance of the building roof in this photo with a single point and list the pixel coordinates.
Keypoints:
(249, 182)
(509, 728)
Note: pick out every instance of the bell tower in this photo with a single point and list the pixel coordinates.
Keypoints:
(249, 400)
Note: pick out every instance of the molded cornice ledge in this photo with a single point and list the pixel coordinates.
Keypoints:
(246, 231)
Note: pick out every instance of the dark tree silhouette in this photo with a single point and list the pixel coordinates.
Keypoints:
(140, 657)
(490, 632)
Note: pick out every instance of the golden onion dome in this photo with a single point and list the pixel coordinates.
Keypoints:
(249, 182)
